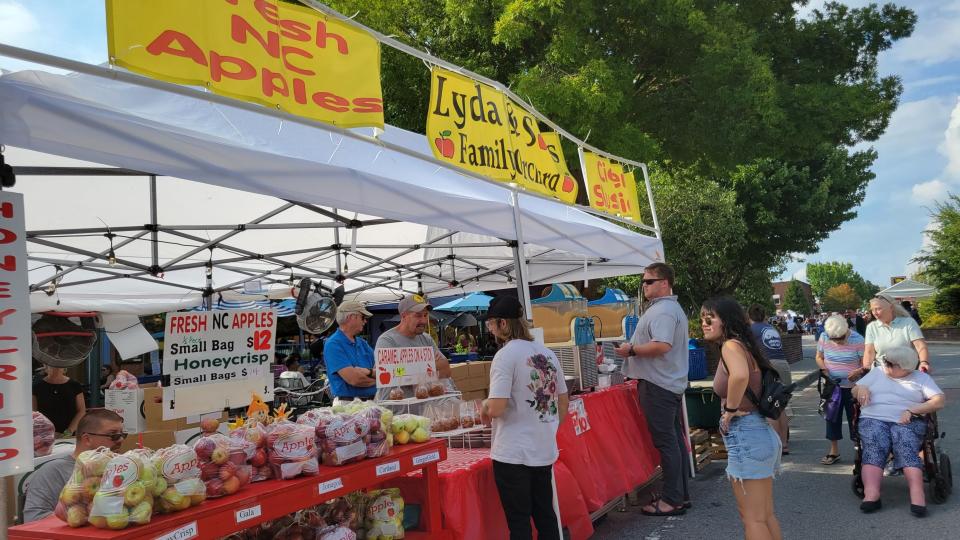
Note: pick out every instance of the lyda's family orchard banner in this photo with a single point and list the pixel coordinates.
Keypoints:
(277, 54)
(475, 126)
(299, 60)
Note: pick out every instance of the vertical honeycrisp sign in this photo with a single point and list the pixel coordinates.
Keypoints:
(16, 426)
(277, 54)
(476, 127)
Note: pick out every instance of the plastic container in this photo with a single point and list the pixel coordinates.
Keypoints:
(703, 407)
(698, 365)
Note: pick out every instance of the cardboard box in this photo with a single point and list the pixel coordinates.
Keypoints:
(478, 369)
(127, 404)
(152, 412)
(461, 371)
(475, 394)
(473, 384)
(153, 439)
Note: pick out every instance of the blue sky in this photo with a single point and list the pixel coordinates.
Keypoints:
(919, 155)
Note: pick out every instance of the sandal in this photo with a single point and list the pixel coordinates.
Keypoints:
(829, 459)
(675, 511)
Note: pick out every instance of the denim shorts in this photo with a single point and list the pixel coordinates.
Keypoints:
(753, 448)
(879, 438)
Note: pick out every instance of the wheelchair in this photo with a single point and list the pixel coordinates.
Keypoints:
(937, 473)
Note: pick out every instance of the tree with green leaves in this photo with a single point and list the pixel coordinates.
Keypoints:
(941, 261)
(840, 298)
(745, 100)
(795, 300)
(827, 275)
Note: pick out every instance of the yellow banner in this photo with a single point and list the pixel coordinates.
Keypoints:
(273, 53)
(474, 126)
(611, 190)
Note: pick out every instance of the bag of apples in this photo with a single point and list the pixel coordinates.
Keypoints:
(178, 484)
(224, 463)
(125, 496)
(292, 449)
(256, 434)
(378, 439)
(341, 437)
(43, 435)
(77, 494)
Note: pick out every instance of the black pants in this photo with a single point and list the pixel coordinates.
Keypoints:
(662, 409)
(527, 492)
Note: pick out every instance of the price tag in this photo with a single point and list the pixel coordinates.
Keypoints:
(578, 415)
(183, 533)
(427, 458)
(331, 485)
(388, 468)
(248, 513)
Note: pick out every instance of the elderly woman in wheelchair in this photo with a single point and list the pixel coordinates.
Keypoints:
(893, 402)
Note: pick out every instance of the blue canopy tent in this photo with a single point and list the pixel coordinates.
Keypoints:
(475, 301)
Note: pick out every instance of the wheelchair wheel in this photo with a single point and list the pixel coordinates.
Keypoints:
(857, 486)
(946, 472)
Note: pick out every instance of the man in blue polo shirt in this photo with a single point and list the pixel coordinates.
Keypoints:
(349, 358)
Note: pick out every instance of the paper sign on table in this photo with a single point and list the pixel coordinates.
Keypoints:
(402, 366)
(578, 415)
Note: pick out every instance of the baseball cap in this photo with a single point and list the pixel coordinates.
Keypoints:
(504, 307)
(353, 306)
(414, 303)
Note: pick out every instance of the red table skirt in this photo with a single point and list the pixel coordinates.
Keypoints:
(613, 457)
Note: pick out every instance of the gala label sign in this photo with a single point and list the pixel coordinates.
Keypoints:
(276, 54)
(476, 127)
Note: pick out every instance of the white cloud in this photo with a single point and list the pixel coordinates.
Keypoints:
(801, 274)
(927, 193)
(16, 20)
(935, 39)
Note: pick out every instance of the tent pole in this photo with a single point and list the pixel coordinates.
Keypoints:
(154, 236)
(520, 261)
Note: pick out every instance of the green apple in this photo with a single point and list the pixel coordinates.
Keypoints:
(159, 486)
(134, 494)
(119, 520)
(411, 424)
(141, 513)
(420, 435)
(77, 515)
(402, 437)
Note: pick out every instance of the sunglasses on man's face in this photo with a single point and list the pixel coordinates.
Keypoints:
(112, 436)
(651, 281)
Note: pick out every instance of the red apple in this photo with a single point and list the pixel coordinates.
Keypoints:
(209, 470)
(227, 470)
(243, 474)
(214, 487)
(204, 448)
(60, 511)
(259, 458)
(231, 486)
(568, 183)
(209, 425)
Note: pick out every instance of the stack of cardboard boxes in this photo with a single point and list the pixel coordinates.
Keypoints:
(472, 379)
(142, 412)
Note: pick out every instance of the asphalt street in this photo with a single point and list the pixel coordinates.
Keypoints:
(812, 500)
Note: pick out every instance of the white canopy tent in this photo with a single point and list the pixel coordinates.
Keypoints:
(377, 212)
(909, 288)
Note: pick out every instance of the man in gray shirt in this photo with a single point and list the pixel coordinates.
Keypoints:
(99, 427)
(414, 314)
(657, 355)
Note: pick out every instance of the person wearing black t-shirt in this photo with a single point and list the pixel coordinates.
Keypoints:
(60, 399)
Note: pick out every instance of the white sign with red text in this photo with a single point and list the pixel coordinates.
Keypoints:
(401, 366)
(578, 415)
(203, 347)
(16, 424)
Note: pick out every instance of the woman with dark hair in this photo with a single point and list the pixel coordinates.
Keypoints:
(753, 447)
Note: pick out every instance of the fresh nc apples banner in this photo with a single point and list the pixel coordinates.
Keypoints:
(610, 189)
(276, 54)
(475, 126)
